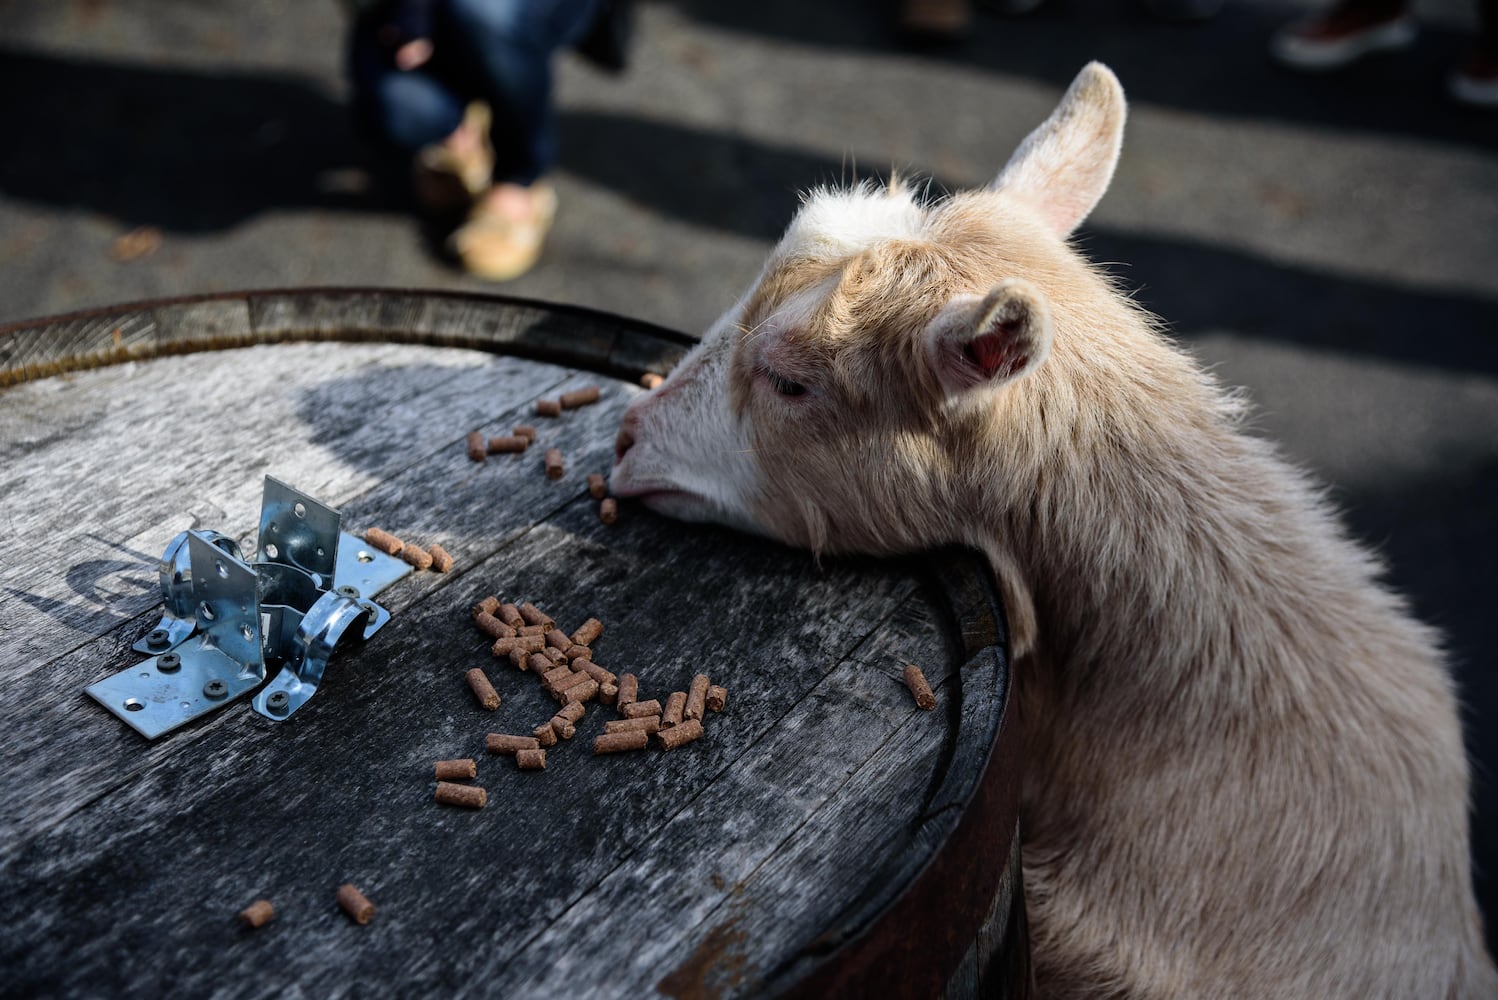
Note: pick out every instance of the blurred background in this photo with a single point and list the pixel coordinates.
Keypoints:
(1329, 241)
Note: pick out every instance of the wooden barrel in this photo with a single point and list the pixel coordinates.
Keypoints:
(824, 837)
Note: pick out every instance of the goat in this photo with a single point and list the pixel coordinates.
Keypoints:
(1244, 767)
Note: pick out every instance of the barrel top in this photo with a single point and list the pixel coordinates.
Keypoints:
(760, 858)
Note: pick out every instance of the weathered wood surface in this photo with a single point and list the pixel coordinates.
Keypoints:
(728, 867)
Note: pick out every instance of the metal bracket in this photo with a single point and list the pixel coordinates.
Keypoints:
(225, 623)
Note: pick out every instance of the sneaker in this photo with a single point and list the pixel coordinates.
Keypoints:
(446, 177)
(1476, 83)
(494, 246)
(1340, 36)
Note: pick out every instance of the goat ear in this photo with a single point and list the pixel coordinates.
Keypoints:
(1064, 166)
(989, 341)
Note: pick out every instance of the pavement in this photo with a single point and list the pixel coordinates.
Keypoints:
(1329, 242)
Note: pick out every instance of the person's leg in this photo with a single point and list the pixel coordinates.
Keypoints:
(1344, 33)
(1476, 81)
(397, 110)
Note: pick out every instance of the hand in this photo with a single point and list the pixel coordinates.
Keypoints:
(412, 54)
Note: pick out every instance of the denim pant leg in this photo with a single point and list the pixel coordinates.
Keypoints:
(403, 110)
(507, 47)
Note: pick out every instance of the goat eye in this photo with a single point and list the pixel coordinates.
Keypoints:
(783, 385)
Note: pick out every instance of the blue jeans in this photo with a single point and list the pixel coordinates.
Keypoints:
(498, 51)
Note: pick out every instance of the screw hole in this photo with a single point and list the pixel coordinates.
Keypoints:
(133, 705)
(247, 632)
(300, 510)
(223, 570)
(366, 557)
(271, 552)
(206, 612)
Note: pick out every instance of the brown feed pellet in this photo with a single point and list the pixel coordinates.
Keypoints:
(561, 640)
(519, 655)
(505, 743)
(555, 655)
(674, 737)
(510, 615)
(629, 687)
(697, 697)
(479, 684)
(570, 680)
(916, 681)
(556, 673)
(384, 541)
(563, 728)
(717, 697)
(554, 468)
(469, 796)
(620, 742)
(355, 904)
(488, 606)
(531, 760)
(587, 632)
(525, 431)
(650, 380)
(476, 449)
(648, 723)
(460, 769)
(535, 616)
(508, 445)
(579, 397)
(548, 408)
(576, 652)
(598, 487)
(635, 709)
(416, 556)
(608, 693)
(493, 626)
(676, 702)
(442, 560)
(257, 914)
(525, 644)
(539, 631)
(545, 735)
(586, 691)
(540, 664)
(573, 712)
(608, 510)
(596, 672)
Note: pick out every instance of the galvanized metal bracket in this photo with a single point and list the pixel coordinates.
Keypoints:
(226, 623)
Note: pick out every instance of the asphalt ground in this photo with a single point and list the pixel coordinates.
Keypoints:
(1329, 242)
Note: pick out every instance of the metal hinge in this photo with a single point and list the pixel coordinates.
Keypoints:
(226, 623)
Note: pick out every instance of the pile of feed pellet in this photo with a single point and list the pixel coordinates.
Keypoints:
(563, 664)
(522, 436)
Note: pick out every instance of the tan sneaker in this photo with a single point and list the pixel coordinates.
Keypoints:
(497, 247)
(447, 176)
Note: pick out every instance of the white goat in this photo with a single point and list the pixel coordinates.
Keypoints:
(1244, 769)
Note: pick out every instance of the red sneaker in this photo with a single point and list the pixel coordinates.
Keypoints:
(1342, 35)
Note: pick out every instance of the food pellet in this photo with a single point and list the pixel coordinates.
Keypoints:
(535, 616)
(650, 380)
(355, 904)
(576, 652)
(548, 408)
(587, 632)
(561, 727)
(505, 743)
(596, 672)
(676, 701)
(524, 643)
(442, 562)
(608, 693)
(635, 709)
(556, 673)
(519, 655)
(476, 446)
(579, 397)
(598, 487)
(524, 431)
(586, 691)
(674, 737)
(478, 682)
(416, 556)
(916, 681)
(496, 628)
(545, 735)
(629, 687)
(457, 770)
(572, 713)
(531, 760)
(561, 640)
(647, 723)
(451, 793)
(554, 468)
(510, 615)
(620, 742)
(257, 914)
(717, 697)
(608, 510)
(539, 631)
(508, 445)
(384, 541)
(488, 606)
(569, 680)
(697, 697)
(541, 665)
(555, 655)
